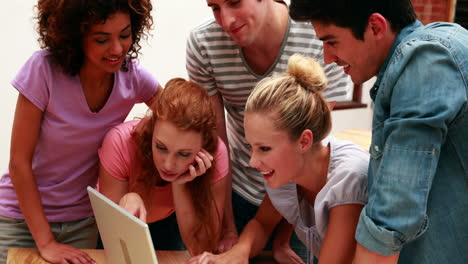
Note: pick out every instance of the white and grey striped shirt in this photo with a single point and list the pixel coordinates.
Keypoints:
(216, 62)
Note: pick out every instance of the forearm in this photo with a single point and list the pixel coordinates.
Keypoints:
(228, 219)
(365, 256)
(339, 244)
(30, 203)
(187, 219)
(283, 232)
(24, 137)
(110, 186)
(229, 225)
(253, 238)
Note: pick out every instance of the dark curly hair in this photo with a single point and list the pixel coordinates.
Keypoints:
(188, 106)
(60, 27)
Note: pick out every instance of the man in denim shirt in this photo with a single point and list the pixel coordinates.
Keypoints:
(418, 174)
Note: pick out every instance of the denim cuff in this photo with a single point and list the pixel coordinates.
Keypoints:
(376, 238)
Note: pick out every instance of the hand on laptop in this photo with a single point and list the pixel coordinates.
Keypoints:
(58, 253)
(133, 203)
(202, 163)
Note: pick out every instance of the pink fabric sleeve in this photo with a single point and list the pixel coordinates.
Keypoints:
(222, 161)
(117, 151)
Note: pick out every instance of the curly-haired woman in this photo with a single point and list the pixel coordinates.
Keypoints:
(83, 82)
(171, 161)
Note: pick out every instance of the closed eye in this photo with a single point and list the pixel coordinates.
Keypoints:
(184, 154)
(161, 147)
(331, 43)
(264, 149)
(101, 41)
(234, 2)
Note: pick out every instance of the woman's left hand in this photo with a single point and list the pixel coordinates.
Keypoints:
(202, 163)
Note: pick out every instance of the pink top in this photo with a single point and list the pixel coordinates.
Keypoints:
(118, 155)
(65, 159)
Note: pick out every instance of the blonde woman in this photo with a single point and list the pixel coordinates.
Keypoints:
(317, 183)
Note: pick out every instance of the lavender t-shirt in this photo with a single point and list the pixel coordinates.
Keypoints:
(65, 159)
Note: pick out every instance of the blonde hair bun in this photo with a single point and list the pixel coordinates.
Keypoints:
(307, 72)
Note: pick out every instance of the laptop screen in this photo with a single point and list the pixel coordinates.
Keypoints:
(126, 238)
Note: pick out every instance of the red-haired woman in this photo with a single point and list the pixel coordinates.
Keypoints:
(170, 161)
(82, 83)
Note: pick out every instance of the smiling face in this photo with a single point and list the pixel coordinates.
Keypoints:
(174, 149)
(273, 154)
(243, 20)
(360, 58)
(105, 46)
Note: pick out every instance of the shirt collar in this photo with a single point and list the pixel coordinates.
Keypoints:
(399, 38)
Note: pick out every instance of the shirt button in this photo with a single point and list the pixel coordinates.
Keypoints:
(376, 148)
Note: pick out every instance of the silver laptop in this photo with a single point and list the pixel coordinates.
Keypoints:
(126, 238)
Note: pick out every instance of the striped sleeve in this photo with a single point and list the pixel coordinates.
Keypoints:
(197, 64)
(339, 84)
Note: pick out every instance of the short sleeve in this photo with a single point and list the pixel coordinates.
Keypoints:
(285, 201)
(145, 84)
(198, 67)
(352, 189)
(117, 151)
(347, 180)
(33, 79)
(222, 161)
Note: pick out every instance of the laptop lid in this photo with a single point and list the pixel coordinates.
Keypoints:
(126, 238)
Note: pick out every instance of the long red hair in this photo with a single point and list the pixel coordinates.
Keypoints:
(188, 106)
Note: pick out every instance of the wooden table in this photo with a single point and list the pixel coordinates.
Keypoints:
(31, 256)
(362, 138)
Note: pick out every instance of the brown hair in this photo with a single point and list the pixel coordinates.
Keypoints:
(295, 96)
(188, 106)
(61, 24)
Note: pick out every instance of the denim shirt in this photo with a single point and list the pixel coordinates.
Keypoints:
(418, 171)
